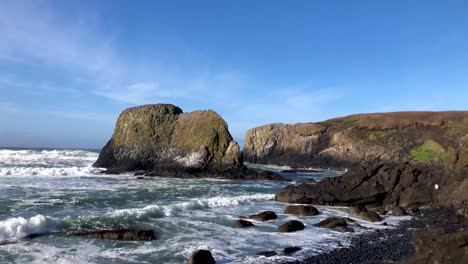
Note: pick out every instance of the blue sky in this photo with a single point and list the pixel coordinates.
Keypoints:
(68, 68)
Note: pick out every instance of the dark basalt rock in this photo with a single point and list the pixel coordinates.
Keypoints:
(336, 223)
(290, 250)
(267, 253)
(264, 216)
(291, 226)
(120, 234)
(242, 224)
(306, 181)
(398, 211)
(370, 216)
(402, 184)
(201, 257)
(302, 210)
(437, 246)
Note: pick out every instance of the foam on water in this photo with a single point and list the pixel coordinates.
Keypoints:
(48, 191)
(17, 228)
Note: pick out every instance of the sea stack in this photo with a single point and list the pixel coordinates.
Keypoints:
(160, 139)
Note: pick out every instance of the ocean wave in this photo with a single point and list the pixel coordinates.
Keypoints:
(194, 204)
(14, 229)
(40, 171)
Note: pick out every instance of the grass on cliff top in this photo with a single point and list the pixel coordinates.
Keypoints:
(343, 122)
(430, 150)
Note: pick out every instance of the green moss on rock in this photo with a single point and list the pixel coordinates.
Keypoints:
(430, 150)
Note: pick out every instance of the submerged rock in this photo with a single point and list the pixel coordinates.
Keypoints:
(267, 253)
(201, 257)
(264, 216)
(119, 234)
(290, 226)
(303, 210)
(290, 250)
(242, 224)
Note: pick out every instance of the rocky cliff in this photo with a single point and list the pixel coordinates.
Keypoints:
(340, 142)
(161, 139)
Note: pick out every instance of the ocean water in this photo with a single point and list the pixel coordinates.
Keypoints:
(50, 192)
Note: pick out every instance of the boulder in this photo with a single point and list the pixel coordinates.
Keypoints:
(302, 210)
(290, 250)
(336, 223)
(264, 216)
(160, 138)
(201, 257)
(437, 246)
(242, 224)
(119, 234)
(398, 211)
(267, 253)
(291, 226)
(370, 216)
(358, 209)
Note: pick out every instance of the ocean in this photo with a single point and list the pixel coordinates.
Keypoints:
(51, 192)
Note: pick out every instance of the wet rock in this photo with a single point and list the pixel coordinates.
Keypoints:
(398, 211)
(120, 234)
(358, 209)
(336, 223)
(370, 216)
(267, 253)
(291, 226)
(140, 178)
(302, 210)
(201, 257)
(242, 224)
(380, 210)
(264, 216)
(290, 250)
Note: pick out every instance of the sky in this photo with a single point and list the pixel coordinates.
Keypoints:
(68, 68)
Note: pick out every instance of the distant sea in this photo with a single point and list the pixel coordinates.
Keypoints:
(53, 191)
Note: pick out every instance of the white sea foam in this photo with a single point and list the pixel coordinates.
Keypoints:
(170, 210)
(13, 229)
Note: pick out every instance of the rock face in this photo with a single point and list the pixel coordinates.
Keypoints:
(340, 142)
(436, 246)
(162, 139)
(120, 234)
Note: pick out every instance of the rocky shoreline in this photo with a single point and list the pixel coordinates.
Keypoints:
(390, 245)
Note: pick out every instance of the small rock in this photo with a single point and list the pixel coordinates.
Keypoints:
(140, 178)
(290, 250)
(242, 224)
(370, 216)
(379, 210)
(291, 226)
(398, 211)
(264, 216)
(267, 253)
(358, 209)
(201, 257)
(384, 224)
(303, 210)
(343, 229)
(332, 222)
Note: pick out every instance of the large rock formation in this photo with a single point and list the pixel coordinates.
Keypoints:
(161, 139)
(340, 142)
